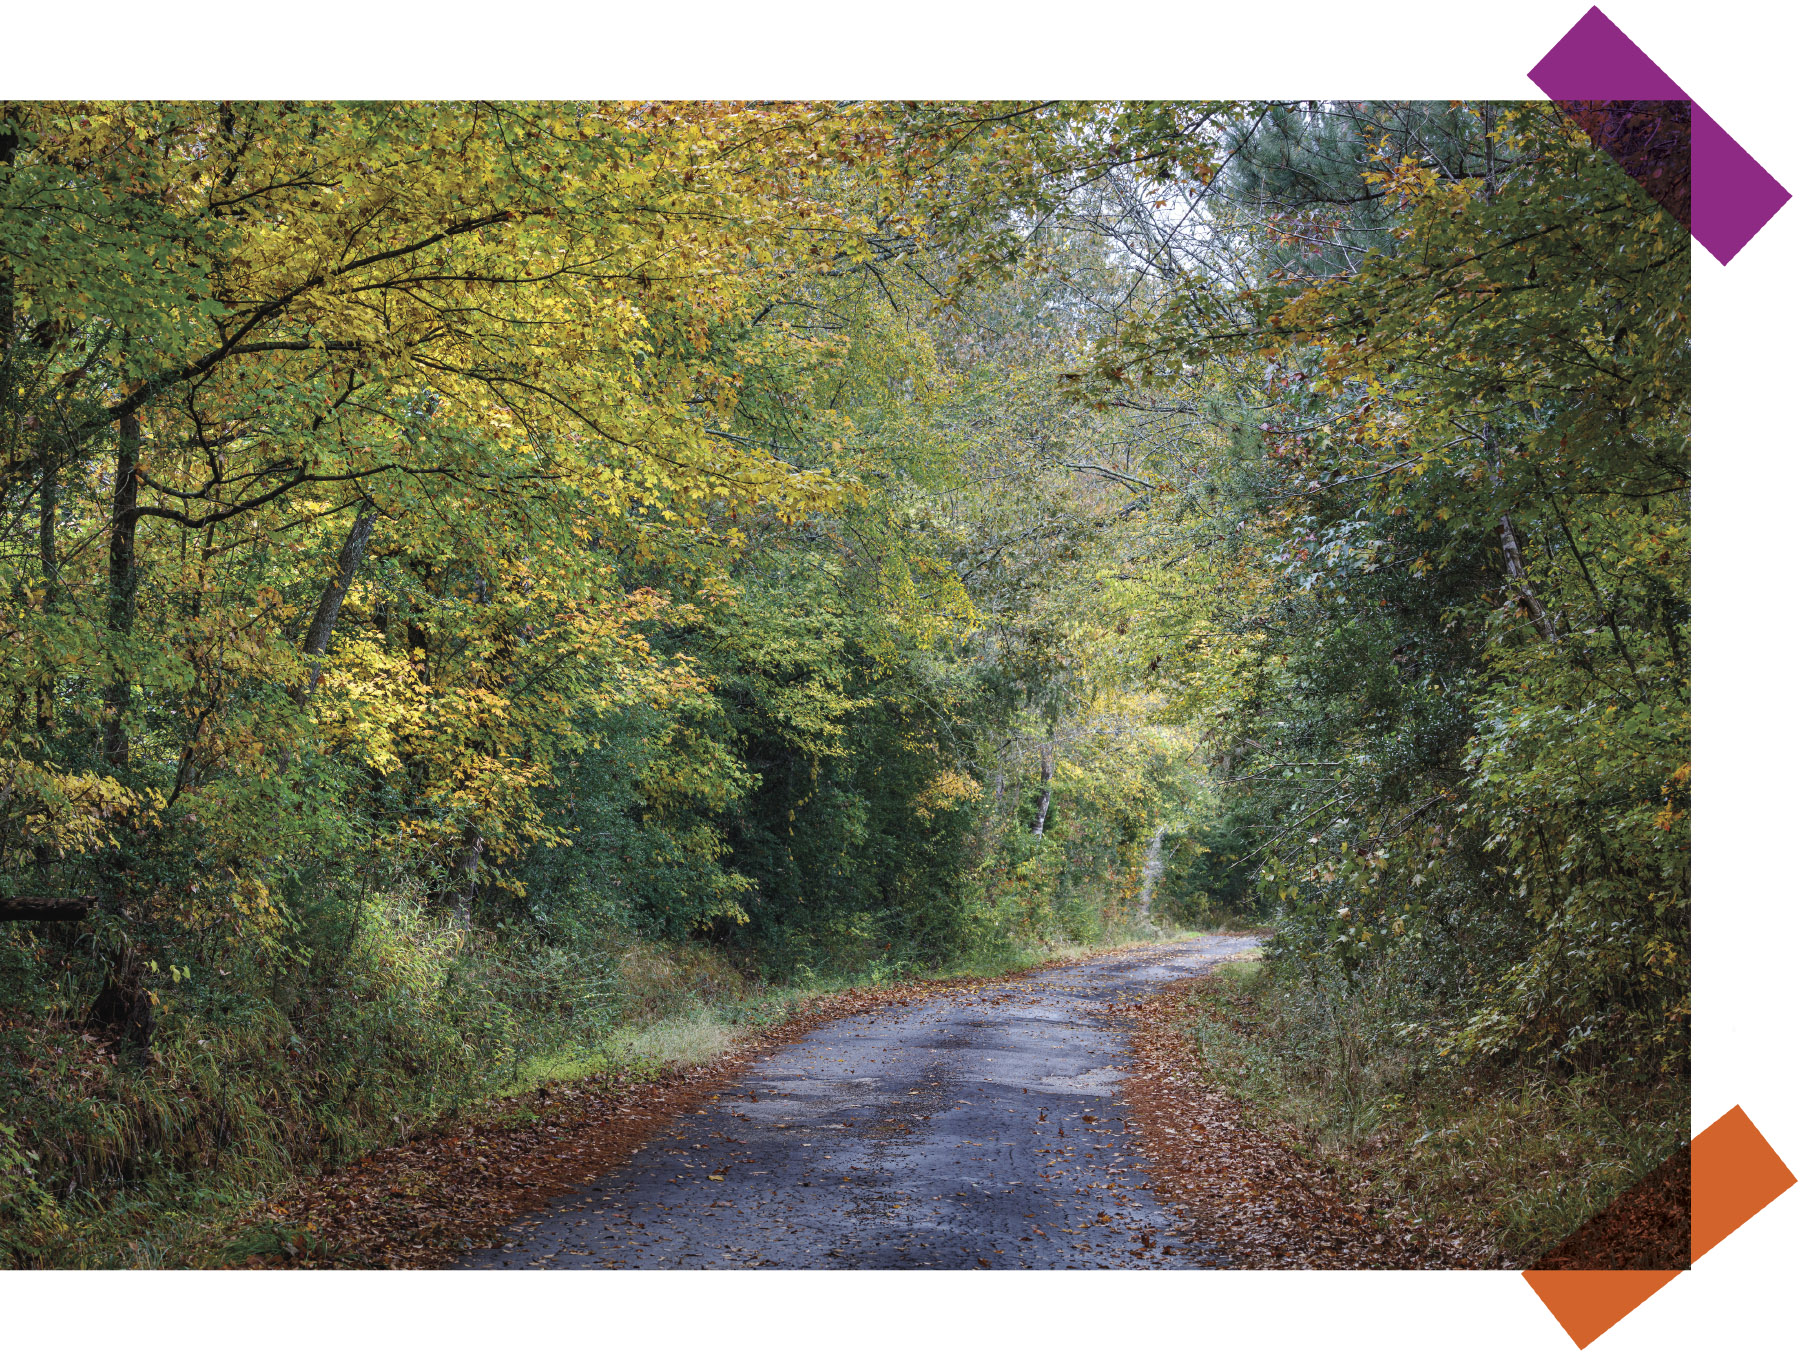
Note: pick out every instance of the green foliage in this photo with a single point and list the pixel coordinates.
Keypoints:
(1453, 556)
(448, 548)
(1209, 873)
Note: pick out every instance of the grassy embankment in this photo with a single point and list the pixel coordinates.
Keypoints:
(1510, 1160)
(105, 1165)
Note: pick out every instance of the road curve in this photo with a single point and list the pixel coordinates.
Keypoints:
(975, 1130)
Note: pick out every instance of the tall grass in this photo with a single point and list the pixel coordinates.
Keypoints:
(1505, 1160)
(379, 1022)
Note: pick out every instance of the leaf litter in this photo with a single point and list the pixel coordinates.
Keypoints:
(1255, 1199)
(1240, 1191)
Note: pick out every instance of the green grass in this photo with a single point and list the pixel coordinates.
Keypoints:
(1240, 975)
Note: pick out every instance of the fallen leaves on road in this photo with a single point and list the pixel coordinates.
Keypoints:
(1249, 1197)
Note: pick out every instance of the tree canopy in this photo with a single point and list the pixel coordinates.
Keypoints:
(444, 545)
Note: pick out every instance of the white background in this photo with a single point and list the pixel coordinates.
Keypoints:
(1735, 59)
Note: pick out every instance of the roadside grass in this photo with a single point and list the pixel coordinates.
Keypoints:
(123, 1169)
(680, 1041)
(664, 1032)
(1500, 1164)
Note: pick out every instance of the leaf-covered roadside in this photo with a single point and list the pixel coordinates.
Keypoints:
(1252, 1196)
(1649, 1227)
(1252, 1138)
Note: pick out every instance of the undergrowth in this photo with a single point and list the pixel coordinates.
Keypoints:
(387, 1024)
(1500, 1162)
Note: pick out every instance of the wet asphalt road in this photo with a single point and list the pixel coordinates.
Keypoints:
(974, 1130)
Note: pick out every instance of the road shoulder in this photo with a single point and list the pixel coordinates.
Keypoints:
(1242, 1190)
(423, 1203)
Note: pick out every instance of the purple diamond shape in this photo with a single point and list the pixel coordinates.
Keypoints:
(1733, 196)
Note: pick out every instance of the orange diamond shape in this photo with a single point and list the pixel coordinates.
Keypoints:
(1587, 1302)
(1735, 1172)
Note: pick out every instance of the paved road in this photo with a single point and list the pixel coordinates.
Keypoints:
(979, 1129)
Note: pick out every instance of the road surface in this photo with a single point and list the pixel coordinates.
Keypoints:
(975, 1130)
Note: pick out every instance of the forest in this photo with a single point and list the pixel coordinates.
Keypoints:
(486, 585)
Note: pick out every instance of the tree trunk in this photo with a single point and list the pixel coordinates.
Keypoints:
(123, 1008)
(350, 558)
(46, 691)
(1043, 814)
(123, 582)
(458, 894)
(47, 563)
(325, 615)
(1153, 870)
(1515, 569)
(46, 907)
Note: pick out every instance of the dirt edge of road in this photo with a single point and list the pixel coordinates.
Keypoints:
(420, 1204)
(1250, 1196)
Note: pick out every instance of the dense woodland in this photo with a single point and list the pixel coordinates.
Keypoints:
(452, 552)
